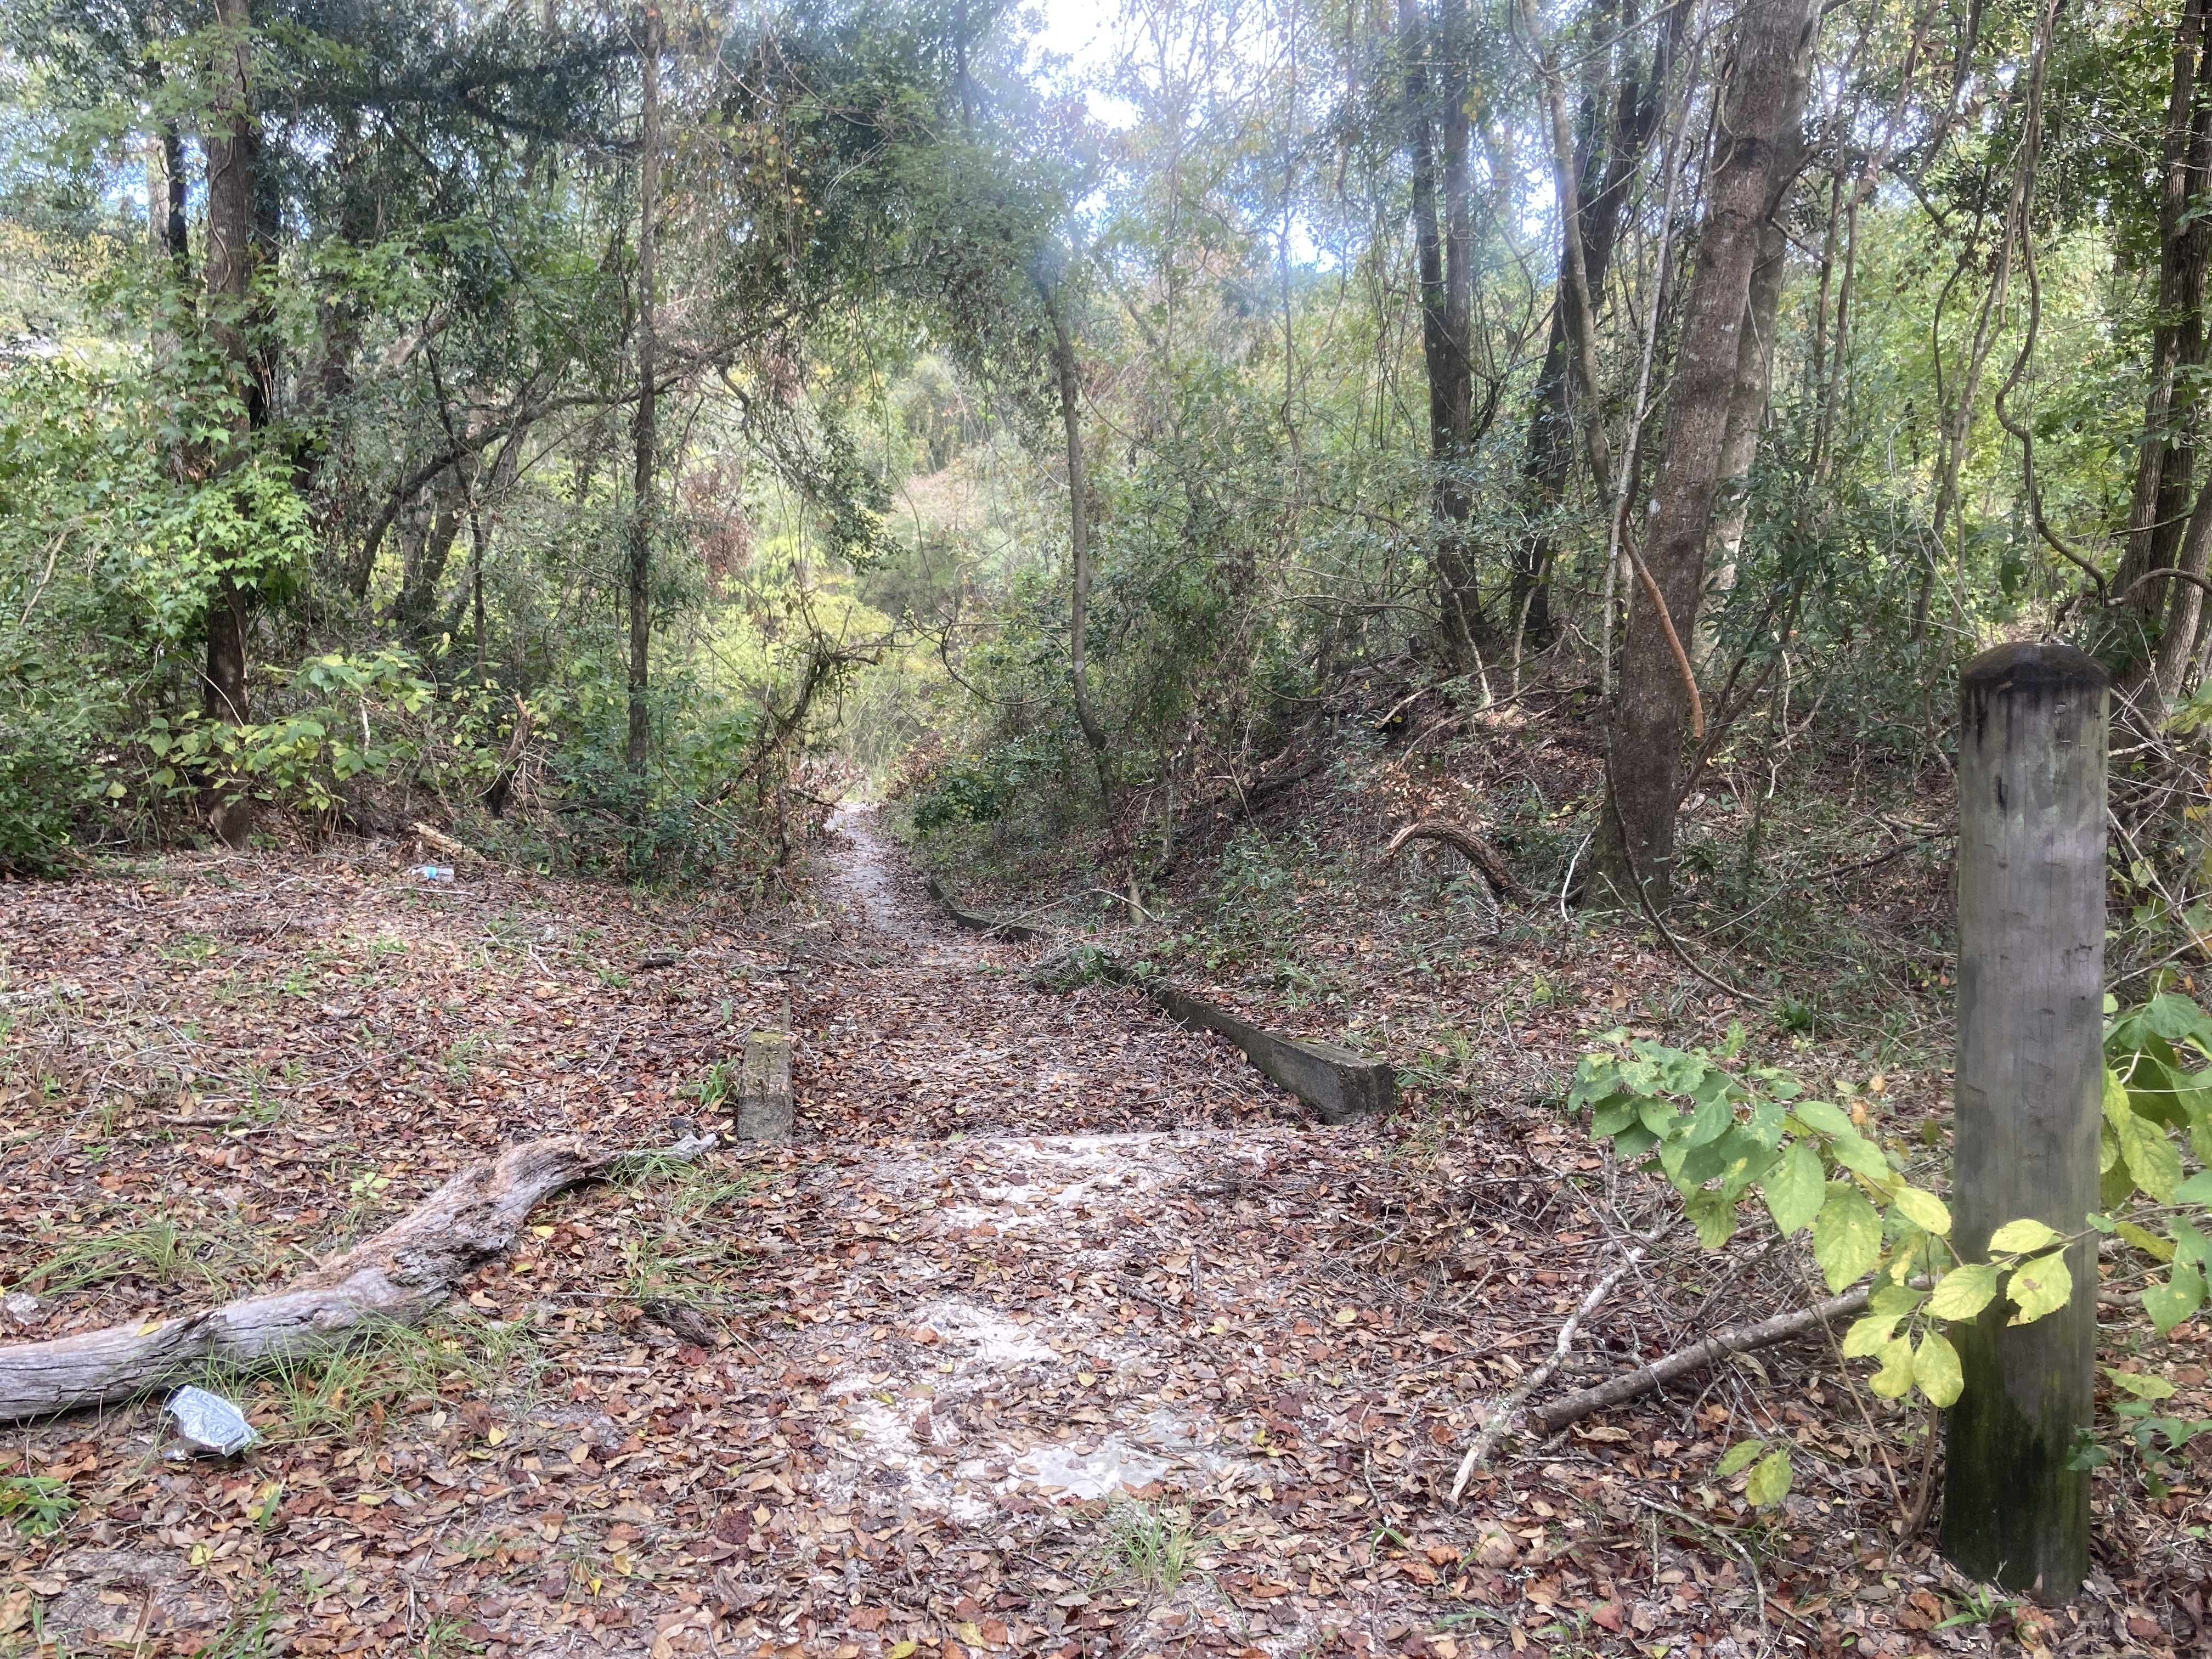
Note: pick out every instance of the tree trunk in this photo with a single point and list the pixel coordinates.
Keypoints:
(2164, 464)
(645, 433)
(1754, 375)
(1444, 248)
(1079, 529)
(233, 157)
(1604, 171)
(1644, 737)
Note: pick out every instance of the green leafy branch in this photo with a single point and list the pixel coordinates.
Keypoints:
(1722, 1134)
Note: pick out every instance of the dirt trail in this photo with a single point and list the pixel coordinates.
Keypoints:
(1056, 1331)
(906, 1026)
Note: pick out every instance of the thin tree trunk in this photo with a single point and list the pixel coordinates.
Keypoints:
(1443, 248)
(2164, 463)
(1603, 172)
(232, 156)
(1651, 712)
(1079, 530)
(1754, 381)
(646, 431)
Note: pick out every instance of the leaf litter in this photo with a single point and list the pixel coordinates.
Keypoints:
(1055, 1330)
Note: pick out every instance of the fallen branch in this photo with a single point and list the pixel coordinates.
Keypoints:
(1496, 1424)
(1737, 1339)
(444, 842)
(397, 1276)
(1486, 859)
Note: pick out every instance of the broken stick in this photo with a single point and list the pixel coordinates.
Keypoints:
(1495, 1424)
(1737, 1339)
(398, 1276)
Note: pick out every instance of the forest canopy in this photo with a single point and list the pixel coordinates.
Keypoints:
(634, 424)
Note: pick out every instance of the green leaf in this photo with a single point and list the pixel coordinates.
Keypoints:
(1795, 1189)
(1856, 1153)
(2041, 1286)
(1612, 1115)
(1895, 1375)
(1738, 1457)
(2143, 1240)
(1895, 1298)
(1770, 1482)
(2190, 1247)
(1925, 1211)
(1823, 1118)
(2142, 1386)
(2114, 1184)
(2197, 1189)
(2152, 1159)
(1869, 1336)
(1713, 1214)
(2018, 1237)
(1964, 1292)
(1846, 1236)
(2169, 1303)
(1714, 1118)
(1935, 1369)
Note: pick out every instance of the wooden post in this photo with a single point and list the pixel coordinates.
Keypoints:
(2030, 1076)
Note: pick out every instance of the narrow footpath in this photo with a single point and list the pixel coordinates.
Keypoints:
(1056, 1329)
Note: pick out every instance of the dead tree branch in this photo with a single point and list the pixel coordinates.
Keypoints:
(399, 1276)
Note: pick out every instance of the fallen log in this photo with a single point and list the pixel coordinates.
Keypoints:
(1487, 861)
(398, 1276)
(1340, 1085)
(459, 851)
(1736, 1338)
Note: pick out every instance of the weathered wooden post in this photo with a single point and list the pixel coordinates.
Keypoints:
(2029, 1092)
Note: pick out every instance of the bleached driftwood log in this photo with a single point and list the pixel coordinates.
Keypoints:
(398, 1276)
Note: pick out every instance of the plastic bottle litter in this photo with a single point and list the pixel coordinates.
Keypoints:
(211, 1423)
(433, 871)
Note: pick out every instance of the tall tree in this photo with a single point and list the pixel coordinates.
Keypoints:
(2174, 403)
(1437, 135)
(234, 149)
(645, 431)
(1610, 151)
(1651, 712)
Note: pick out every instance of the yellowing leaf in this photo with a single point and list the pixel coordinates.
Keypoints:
(2040, 1287)
(1868, 1337)
(1964, 1292)
(1846, 1236)
(1935, 1369)
(1925, 1211)
(2159, 1249)
(1770, 1482)
(2143, 1388)
(1895, 1375)
(2018, 1237)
